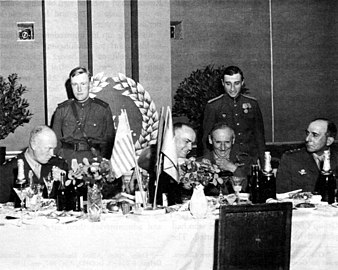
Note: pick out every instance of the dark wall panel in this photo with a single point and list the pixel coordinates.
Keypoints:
(305, 64)
(227, 32)
(305, 55)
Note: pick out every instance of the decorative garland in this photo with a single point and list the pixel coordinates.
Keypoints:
(143, 102)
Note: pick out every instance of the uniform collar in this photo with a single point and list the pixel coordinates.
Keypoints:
(83, 104)
(236, 99)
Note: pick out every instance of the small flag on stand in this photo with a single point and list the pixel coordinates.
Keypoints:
(169, 148)
(166, 150)
(123, 156)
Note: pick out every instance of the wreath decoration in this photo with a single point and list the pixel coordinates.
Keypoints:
(143, 102)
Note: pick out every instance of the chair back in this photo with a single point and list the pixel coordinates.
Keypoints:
(253, 237)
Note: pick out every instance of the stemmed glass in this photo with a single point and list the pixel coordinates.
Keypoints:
(237, 184)
(21, 191)
(49, 181)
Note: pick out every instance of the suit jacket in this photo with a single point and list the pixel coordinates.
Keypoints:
(298, 170)
(243, 115)
(9, 172)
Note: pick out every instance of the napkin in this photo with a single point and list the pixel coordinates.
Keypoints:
(287, 195)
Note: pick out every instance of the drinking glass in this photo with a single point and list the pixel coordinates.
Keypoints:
(49, 181)
(237, 184)
(33, 202)
(21, 191)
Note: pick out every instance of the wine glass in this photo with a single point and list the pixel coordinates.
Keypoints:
(237, 182)
(49, 181)
(21, 191)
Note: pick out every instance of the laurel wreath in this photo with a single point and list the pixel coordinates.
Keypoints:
(143, 102)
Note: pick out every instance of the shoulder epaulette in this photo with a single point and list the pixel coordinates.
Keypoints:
(101, 102)
(249, 97)
(9, 160)
(68, 101)
(216, 98)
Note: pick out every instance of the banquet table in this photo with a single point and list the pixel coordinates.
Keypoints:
(166, 241)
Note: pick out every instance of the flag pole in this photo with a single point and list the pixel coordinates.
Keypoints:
(158, 165)
(158, 171)
(137, 170)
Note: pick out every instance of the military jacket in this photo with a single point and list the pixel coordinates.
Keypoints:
(242, 171)
(241, 114)
(299, 170)
(97, 119)
(9, 172)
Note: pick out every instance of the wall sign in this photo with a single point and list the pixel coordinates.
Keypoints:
(25, 31)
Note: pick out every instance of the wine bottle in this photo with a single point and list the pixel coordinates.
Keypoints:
(268, 179)
(326, 183)
(20, 184)
(61, 198)
(70, 195)
(255, 184)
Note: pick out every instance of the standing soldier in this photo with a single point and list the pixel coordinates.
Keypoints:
(83, 125)
(238, 111)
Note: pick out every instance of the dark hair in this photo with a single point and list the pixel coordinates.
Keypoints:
(331, 127)
(77, 71)
(232, 70)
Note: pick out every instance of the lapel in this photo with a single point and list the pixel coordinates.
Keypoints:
(309, 164)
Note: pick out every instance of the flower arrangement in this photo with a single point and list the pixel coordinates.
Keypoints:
(194, 173)
(96, 172)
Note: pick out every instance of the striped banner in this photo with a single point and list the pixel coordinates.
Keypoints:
(123, 156)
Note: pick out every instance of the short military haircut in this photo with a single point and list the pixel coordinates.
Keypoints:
(232, 70)
(36, 131)
(221, 125)
(331, 127)
(77, 71)
(180, 125)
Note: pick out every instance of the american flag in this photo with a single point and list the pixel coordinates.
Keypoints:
(123, 156)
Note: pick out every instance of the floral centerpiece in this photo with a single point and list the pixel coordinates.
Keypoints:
(96, 172)
(194, 173)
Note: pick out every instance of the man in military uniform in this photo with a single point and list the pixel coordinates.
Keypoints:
(238, 111)
(227, 156)
(300, 168)
(39, 162)
(84, 126)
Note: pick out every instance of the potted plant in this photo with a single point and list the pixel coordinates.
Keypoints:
(13, 108)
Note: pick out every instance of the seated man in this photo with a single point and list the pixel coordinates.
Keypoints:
(299, 169)
(184, 136)
(38, 158)
(227, 156)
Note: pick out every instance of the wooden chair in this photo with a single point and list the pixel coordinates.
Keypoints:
(253, 237)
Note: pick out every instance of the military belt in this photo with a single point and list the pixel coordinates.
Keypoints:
(81, 146)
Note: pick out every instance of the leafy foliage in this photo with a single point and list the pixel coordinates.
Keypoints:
(13, 112)
(194, 92)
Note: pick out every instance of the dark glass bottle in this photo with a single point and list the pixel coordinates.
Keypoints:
(268, 180)
(20, 185)
(78, 198)
(255, 189)
(61, 197)
(70, 195)
(326, 183)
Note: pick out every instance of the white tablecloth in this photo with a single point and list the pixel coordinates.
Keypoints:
(314, 239)
(170, 241)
